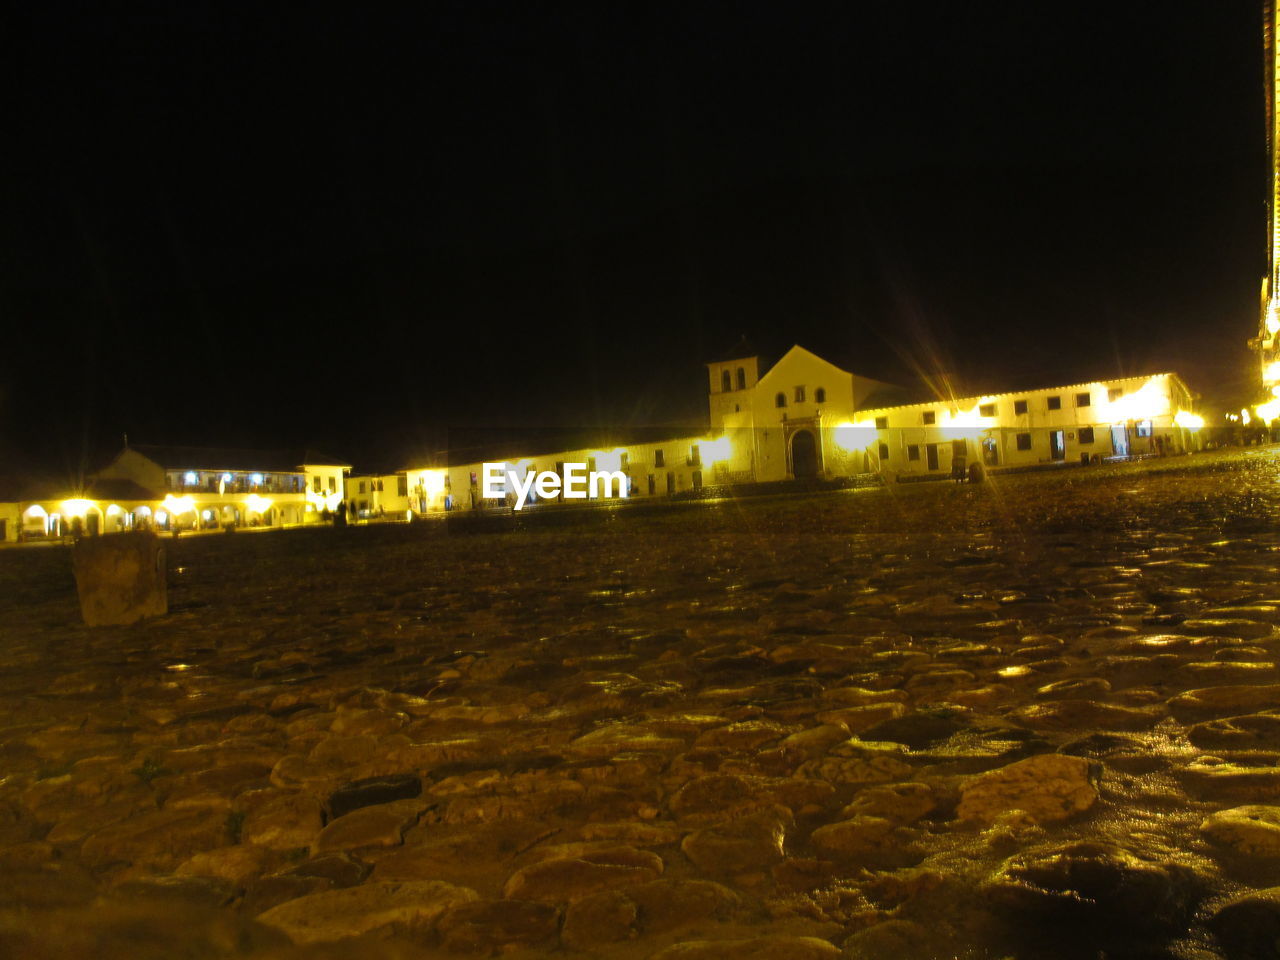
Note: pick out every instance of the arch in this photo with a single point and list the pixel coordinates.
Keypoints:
(742, 379)
(726, 380)
(780, 400)
(804, 455)
(35, 521)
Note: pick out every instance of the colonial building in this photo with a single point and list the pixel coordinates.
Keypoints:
(806, 418)
(182, 488)
(803, 418)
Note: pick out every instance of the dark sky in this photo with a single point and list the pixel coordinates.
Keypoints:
(354, 229)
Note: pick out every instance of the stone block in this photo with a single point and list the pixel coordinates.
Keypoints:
(120, 578)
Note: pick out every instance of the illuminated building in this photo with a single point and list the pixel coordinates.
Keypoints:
(806, 418)
(183, 488)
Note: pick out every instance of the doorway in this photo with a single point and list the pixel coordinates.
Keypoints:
(931, 455)
(1057, 445)
(1120, 439)
(990, 452)
(804, 455)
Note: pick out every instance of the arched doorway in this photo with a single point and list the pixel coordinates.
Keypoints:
(804, 455)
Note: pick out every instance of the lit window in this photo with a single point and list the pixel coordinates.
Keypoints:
(1024, 441)
(191, 477)
(929, 417)
(820, 395)
(1144, 428)
(882, 423)
(987, 410)
(780, 400)
(256, 479)
(1083, 400)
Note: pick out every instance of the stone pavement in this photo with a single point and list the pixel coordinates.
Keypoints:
(1035, 718)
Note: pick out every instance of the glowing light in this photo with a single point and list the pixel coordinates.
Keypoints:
(1271, 372)
(1244, 416)
(855, 436)
(321, 501)
(35, 510)
(1191, 421)
(1273, 319)
(191, 477)
(1266, 411)
(78, 509)
(257, 504)
(432, 482)
(256, 479)
(1148, 401)
(142, 511)
(967, 423)
(208, 515)
(177, 506)
(716, 451)
(114, 510)
(161, 516)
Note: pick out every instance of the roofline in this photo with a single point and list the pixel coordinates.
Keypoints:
(1019, 393)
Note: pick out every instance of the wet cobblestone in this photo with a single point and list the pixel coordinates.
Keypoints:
(1034, 718)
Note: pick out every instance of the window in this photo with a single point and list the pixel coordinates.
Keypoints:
(1086, 434)
(1114, 394)
(658, 460)
(742, 379)
(1144, 428)
(884, 451)
(929, 418)
(1053, 403)
(1020, 407)
(316, 483)
(333, 484)
(1024, 441)
(799, 394)
(192, 478)
(695, 455)
(913, 451)
(361, 489)
(882, 423)
(402, 486)
(820, 395)
(987, 410)
(726, 381)
(1083, 400)
(780, 400)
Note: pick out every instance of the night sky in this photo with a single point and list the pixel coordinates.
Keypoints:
(358, 230)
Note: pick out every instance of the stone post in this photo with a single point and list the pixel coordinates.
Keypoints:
(120, 578)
